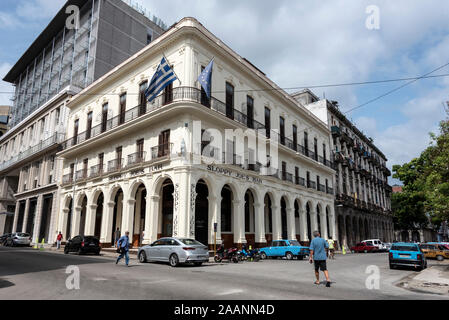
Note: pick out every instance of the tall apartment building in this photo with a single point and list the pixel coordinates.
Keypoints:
(363, 196)
(58, 64)
(168, 168)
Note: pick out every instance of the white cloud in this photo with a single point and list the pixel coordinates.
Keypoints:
(5, 88)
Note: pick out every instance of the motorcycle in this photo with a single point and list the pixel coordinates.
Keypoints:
(226, 254)
(249, 255)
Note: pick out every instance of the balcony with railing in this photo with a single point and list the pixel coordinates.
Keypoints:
(136, 158)
(81, 175)
(115, 165)
(330, 191)
(322, 188)
(300, 181)
(311, 185)
(96, 171)
(40, 147)
(287, 176)
(187, 94)
(67, 179)
(161, 152)
(335, 131)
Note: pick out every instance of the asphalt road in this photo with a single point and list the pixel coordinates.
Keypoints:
(29, 274)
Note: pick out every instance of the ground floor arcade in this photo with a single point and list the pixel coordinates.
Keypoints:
(190, 202)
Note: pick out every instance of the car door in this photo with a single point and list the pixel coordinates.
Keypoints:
(153, 251)
(283, 248)
(166, 249)
(75, 244)
(271, 251)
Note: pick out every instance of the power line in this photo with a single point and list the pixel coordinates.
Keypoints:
(428, 76)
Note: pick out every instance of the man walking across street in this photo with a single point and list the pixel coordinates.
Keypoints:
(58, 240)
(123, 247)
(318, 256)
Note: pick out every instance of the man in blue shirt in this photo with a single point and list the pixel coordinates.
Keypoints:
(123, 245)
(318, 255)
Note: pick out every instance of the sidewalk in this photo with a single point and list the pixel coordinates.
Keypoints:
(434, 279)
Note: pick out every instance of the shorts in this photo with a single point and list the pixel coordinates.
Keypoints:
(320, 264)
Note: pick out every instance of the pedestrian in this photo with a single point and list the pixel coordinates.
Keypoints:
(59, 240)
(117, 236)
(318, 256)
(331, 243)
(123, 248)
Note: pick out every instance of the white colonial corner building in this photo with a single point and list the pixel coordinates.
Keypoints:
(141, 167)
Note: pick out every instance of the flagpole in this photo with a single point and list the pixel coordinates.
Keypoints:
(180, 83)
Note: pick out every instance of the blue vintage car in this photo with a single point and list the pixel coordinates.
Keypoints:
(285, 248)
(407, 254)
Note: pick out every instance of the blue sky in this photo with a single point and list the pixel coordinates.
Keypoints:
(305, 43)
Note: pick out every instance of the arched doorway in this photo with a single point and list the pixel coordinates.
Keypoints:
(202, 213)
(227, 217)
(349, 231)
(297, 221)
(139, 215)
(166, 224)
(250, 224)
(268, 218)
(309, 222)
(361, 230)
(405, 236)
(68, 230)
(367, 233)
(284, 231)
(99, 216)
(329, 231)
(117, 216)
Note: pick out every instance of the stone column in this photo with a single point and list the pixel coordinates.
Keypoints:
(151, 224)
(76, 220)
(128, 218)
(239, 221)
(63, 223)
(291, 228)
(106, 225)
(16, 217)
(91, 212)
(324, 231)
(37, 219)
(147, 239)
(276, 221)
(303, 225)
(313, 220)
(259, 215)
(26, 215)
(214, 217)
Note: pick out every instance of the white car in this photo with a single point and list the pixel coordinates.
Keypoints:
(377, 243)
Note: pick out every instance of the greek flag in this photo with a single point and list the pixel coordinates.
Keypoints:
(162, 78)
(205, 78)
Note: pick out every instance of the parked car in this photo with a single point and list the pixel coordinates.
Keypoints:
(376, 242)
(175, 251)
(387, 246)
(444, 244)
(407, 254)
(284, 248)
(435, 251)
(83, 245)
(18, 239)
(365, 247)
(3, 238)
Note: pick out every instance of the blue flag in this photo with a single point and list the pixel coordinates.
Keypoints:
(162, 78)
(205, 78)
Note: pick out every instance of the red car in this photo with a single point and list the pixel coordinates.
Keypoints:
(364, 247)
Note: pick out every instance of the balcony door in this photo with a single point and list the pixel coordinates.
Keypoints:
(164, 144)
(142, 98)
(104, 117)
(229, 100)
(89, 125)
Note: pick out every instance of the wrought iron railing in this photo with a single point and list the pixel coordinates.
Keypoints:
(136, 158)
(115, 165)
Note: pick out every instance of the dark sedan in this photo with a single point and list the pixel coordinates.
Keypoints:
(83, 245)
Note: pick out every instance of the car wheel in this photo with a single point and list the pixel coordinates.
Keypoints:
(263, 256)
(142, 257)
(66, 250)
(440, 258)
(235, 260)
(174, 260)
(217, 259)
(289, 256)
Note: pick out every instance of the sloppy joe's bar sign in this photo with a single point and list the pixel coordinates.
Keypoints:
(233, 174)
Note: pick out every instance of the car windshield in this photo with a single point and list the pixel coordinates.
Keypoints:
(23, 235)
(404, 248)
(294, 243)
(190, 242)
